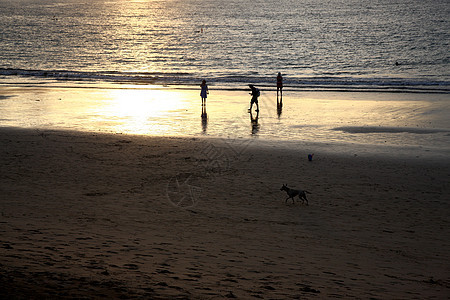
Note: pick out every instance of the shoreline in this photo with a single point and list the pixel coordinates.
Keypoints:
(110, 215)
(417, 125)
(224, 87)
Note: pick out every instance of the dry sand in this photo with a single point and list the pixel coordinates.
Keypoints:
(88, 215)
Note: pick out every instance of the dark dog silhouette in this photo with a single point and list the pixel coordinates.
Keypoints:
(292, 193)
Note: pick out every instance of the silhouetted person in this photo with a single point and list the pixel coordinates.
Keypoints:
(254, 122)
(255, 94)
(280, 85)
(204, 119)
(204, 92)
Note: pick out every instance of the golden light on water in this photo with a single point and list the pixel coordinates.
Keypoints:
(139, 110)
(163, 111)
(141, 103)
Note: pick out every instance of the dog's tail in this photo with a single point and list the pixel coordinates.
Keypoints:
(308, 192)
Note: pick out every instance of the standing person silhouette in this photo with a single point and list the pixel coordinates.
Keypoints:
(204, 92)
(255, 94)
(280, 85)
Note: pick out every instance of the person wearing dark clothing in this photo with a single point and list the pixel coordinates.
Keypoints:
(255, 94)
(280, 85)
(204, 92)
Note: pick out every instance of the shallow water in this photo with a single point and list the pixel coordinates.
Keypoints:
(417, 121)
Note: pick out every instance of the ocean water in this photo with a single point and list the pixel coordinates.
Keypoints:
(371, 74)
(400, 45)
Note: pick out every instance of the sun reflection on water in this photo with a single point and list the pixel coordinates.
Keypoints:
(381, 119)
(139, 111)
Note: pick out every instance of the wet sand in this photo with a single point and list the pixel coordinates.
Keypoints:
(91, 215)
(417, 120)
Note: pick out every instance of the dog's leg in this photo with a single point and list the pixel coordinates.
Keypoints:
(285, 201)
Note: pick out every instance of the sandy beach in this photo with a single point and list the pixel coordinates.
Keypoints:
(92, 215)
(120, 180)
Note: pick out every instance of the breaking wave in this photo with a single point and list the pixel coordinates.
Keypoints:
(232, 81)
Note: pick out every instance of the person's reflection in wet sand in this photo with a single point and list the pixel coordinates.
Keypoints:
(254, 122)
(279, 94)
(279, 106)
(204, 119)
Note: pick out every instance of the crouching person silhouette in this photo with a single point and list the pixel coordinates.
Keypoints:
(255, 94)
